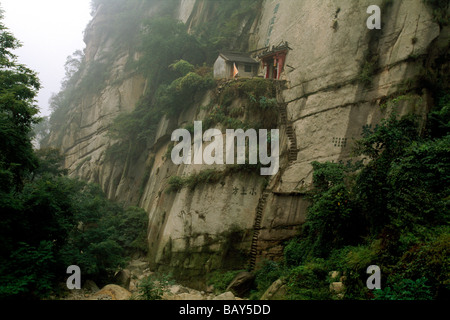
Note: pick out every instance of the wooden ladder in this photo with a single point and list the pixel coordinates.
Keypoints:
(257, 229)
(293, 150)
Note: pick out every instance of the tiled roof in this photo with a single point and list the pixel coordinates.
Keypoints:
(238, 57)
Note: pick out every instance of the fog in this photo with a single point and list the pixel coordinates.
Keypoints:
(50, 30)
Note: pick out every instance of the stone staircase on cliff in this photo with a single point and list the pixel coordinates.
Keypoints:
(292, 157)
(292, 149)
(282, 110)
(257, 229)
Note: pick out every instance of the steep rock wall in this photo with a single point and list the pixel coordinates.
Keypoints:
(324, 102)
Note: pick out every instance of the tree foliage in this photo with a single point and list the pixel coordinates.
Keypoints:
(393, 212)
(18, 113)
(49, 221)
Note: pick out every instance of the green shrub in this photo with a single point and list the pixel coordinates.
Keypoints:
(440, 11)
(430, 260)
(176, 183)
(391, 212)
(203, 177)
(267, 273)
(333, 219)
(192, 181)
(221, 280)
(152, 287)
(368, 71)
(308, 282)
(182, 67)
(294, 252)
(405, 289)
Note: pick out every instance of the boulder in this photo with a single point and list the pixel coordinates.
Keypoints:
(133, 285)
(276, 291)
(242, 284)
(90, 286)
(138, 266)
(123, 278)
(193, 296)
(177, 289)
(225, 296)
(112, 292)
(337, 289)
(334, 274)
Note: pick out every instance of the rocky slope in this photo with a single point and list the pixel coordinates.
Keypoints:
(339, 76)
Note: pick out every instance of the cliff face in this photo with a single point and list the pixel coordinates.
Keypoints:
(337, 78)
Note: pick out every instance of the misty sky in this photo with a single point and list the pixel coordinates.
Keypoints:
(50, 30)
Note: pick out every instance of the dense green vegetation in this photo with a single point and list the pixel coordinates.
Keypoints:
(392, 212)
(153, 287)
(440, 10)
(158, 49)
(48, 221)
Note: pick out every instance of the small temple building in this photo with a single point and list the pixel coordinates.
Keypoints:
(273, 61)
(233, 64)
(269, 63)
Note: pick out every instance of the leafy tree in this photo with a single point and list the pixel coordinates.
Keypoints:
(49, 221)
(393, 212)
(405, 289)
(383, 145)
(18, 89)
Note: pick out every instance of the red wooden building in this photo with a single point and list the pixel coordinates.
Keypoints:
(274, 60)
